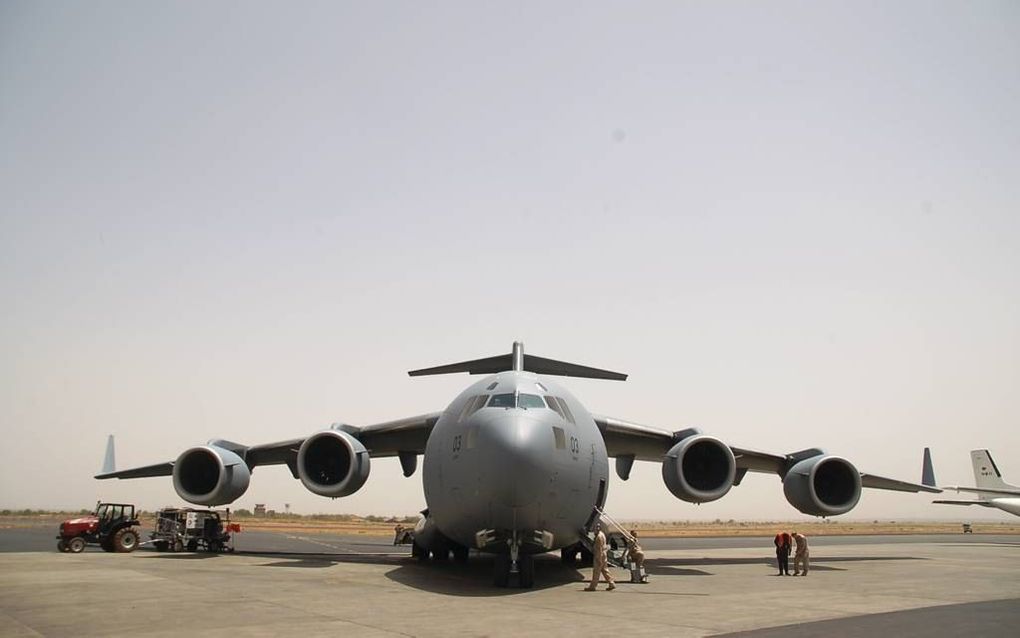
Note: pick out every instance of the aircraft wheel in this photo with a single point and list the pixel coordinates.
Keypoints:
(586, 558)
(460, 554)
(501, 570)
(177, 546)
(76, 545)
(526, 571)
(568, 555)
(442, 554)
(419, 552)
(192, 546)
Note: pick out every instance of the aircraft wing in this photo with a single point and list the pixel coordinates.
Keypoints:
(947, 502)
(380, 439)
(648, 443)
(158, 469)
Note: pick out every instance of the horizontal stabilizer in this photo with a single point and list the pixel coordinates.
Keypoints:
(981, 503)
(517, 360)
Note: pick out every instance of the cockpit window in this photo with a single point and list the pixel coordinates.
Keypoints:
(516, 400)
(472, 405)
(502, 400)
(530, 401)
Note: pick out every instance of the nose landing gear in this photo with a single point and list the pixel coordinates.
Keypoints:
(514, 563)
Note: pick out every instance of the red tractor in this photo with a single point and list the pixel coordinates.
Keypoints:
(111, 527)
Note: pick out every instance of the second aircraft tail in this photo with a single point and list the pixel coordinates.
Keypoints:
(986, 474)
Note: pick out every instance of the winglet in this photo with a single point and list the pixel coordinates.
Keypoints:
(927, 471)
(109, 462)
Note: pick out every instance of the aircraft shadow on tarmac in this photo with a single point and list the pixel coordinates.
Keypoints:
(474, 578)
(684, 566)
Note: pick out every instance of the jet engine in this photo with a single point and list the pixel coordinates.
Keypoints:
(698, 469)
(333, 463)
(210, 475)
(823, 485)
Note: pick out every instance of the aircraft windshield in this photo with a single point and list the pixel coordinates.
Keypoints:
(530, 401)
(502, 401)
(510, 400)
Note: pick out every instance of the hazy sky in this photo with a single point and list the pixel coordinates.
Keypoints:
(793, 224)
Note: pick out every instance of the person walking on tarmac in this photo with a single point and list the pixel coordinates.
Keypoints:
(783, 541)
(801, 556)
(600, 562)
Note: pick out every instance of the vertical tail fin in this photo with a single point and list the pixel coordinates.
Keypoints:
(986, 473)
(109, 463)
(927, 471)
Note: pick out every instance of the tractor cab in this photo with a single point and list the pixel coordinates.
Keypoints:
(111, 526)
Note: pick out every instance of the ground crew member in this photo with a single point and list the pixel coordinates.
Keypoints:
(636, 558)
(783, 541)
(801, 556)
(600, 562)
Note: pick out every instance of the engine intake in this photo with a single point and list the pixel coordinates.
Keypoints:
(699, 469)
(333, 463)
(823, 486)
(210, 475)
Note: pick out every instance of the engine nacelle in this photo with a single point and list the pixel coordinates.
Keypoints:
(333, 463)
(823, 485)
(210, 475)
(699, 469)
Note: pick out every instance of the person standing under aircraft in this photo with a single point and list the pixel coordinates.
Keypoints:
(783, 542)
(636, 557)
(801, 556)
(600, 562)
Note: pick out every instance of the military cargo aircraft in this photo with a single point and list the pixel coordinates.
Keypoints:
(515, 465)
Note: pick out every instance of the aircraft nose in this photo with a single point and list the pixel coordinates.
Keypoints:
(518, 456)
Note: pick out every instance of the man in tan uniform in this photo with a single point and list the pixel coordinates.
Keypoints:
(636, 558)
(801, 555)
(600, 562)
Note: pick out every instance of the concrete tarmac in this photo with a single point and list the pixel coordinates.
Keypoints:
(312, 584)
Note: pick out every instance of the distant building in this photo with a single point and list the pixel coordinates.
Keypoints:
(260, 509)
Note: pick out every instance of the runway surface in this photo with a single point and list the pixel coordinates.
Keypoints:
(311, 584)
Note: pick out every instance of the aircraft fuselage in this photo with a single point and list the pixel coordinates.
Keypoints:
(514, 456)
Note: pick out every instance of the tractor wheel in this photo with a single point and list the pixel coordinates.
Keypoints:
(76, 545)
(125, 540)
(62, 546)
